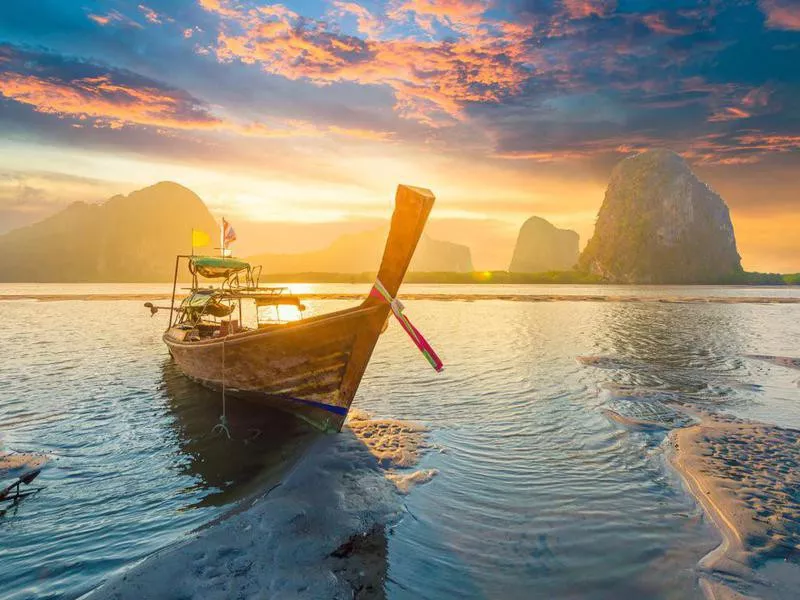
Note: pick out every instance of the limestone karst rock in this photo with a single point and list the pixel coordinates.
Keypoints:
(660, 224)
(361, 252)
(126, 238)
(543, 247)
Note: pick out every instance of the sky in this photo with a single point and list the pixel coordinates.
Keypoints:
(296, 121)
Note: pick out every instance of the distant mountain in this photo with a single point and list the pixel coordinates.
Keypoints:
(660, 224)
(543, 247)
(362, 252)
(127, 238)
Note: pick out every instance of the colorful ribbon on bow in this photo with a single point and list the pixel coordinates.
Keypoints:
(378, 291)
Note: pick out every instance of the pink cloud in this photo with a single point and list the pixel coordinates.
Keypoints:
(657, 23)
(782, 14)
(582, 9)
(367, 23)
(432, 80)
(457, 14)
(730, 113)
(151, 15)
(114, 16)
(105, 103)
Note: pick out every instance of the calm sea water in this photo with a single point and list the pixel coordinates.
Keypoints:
(538, 495)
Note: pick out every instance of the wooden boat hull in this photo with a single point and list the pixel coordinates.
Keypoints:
(310, 367)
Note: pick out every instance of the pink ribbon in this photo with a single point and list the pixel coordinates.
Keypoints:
(378, 291)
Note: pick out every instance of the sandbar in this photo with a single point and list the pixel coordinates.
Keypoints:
(746, 476)
(320, 533)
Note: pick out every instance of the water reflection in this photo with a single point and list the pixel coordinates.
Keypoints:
(687, 348)
(263, 441)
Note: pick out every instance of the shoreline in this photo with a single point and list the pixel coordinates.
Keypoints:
(316, 527)
(283, 541)
(744, 475)
(456, 297)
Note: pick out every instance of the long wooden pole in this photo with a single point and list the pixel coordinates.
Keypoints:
(174, 287)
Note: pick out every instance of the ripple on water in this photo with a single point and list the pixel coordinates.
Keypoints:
(537, 494)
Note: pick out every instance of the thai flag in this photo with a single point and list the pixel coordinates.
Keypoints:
(228, 234)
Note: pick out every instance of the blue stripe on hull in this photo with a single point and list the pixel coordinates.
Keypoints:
(338, 410)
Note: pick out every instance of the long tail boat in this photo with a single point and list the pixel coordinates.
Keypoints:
(311, 367)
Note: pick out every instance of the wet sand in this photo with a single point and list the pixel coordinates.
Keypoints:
(397, 445)
(320, 532)
(449, 297)
(747, 478)
(316, 534)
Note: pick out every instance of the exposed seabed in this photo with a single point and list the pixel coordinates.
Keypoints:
(319, 531)
(746, 477)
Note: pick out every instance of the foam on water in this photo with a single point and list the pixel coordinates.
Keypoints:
(397, 445)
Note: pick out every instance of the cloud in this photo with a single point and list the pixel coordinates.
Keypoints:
(582, 9)
(116, 99)
(367, 23)
(151, 15)
(102, 101)
(460, 15)
(113, 17)
(432, 81)
(782, 14)
(660, 23)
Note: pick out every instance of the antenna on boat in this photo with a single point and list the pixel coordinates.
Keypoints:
(222, 238)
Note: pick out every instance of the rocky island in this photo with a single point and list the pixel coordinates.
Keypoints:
(541, 246)
(660, 224)
(126, 238)
(360, 252)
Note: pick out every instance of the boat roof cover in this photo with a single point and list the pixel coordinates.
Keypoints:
(206, 302)
(199, 299)
(217, 266)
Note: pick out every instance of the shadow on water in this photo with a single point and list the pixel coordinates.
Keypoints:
(264, 442)
(264, 445)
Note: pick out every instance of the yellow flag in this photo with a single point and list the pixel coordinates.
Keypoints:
(200, 238)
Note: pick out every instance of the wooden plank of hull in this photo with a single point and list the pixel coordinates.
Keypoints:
(301, 367)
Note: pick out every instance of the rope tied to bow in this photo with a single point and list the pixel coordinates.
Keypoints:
(222, 426)
(379, 291)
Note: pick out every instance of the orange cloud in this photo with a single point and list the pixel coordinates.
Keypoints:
(107, 103)
(757, 97)
(730, 113)
(114, 16)
(100, 102)
(543, 157)
(744, 147)
(457, 14)
(100, 19)
(656, 22)
(582, 9)
(151, 15)
(782, 14)
(299, 128)
(432, 80)
(367, 23)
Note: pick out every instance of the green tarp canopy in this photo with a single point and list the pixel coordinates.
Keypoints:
(205, 302)
(217, 266)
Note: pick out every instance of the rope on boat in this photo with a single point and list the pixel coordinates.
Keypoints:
(222, 426)
(379, 291)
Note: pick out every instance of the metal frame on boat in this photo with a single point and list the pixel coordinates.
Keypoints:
(311, 367)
